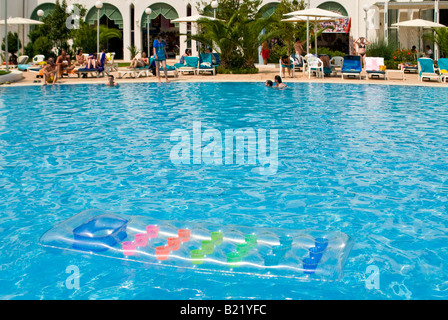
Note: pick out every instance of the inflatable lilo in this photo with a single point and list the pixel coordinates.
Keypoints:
(266, 252)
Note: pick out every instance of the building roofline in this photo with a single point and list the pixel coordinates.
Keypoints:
(413, 5)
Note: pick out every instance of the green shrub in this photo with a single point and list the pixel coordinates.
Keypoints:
(381, 49)
(276, 53)
(223, 70)
(392, 64)
(330, 52)
(43, 45)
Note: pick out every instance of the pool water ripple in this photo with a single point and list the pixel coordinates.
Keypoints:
(369, 161)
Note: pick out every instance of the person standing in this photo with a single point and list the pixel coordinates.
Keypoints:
(298, 47)
(265, 52)
(159, 48)
(428, 52)
(362, 43)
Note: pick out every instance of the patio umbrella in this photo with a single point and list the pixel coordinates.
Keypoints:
(316, 14)
(19, 21)
(420, 24)
(192, 19)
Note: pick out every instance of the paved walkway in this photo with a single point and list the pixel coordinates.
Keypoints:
(264, 74)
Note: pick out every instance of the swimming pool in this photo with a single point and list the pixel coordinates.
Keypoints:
(366, 160)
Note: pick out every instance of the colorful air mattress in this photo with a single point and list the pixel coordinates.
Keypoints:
(198, 246)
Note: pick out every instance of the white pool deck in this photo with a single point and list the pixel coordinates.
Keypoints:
(265, 73)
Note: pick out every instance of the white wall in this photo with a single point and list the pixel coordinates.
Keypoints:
(16, 8)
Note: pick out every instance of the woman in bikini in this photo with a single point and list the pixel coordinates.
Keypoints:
(362, 43)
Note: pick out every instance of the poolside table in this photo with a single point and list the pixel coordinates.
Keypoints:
(400, 72)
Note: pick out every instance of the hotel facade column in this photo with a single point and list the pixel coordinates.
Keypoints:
(194, 45)
(182, 39)
(386, 21)
(126, 12)
(436, 20)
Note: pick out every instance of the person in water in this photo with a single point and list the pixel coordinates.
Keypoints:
(111, 81)
(268, 83)
(279, 82)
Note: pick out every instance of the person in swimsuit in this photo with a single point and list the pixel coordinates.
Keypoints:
(286, 65)
(111, 81)
(139, 63)
(159, 48)
(362, 43)
(265, 52)
(50, 72)
(63, 64)
(279, 82)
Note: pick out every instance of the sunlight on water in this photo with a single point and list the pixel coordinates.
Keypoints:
(369, 161)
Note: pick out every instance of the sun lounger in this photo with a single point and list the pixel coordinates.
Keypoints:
(426, 69)
(171, 70)
(191, 65)
(111, 65)
(410, 69)
(206, 63)
(298, 61)
(86, 71)
(373, 68)
(351, 67)
(144, 71)
(443, 67)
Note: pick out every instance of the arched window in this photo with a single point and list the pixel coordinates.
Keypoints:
(333, 6)
(268, 9)
(46, 7)
(110, 11)
(160, 22)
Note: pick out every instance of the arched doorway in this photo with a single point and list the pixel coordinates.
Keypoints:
(160, 22)
(110, 17)
(268, 9)
(337, 36)
(47, 8)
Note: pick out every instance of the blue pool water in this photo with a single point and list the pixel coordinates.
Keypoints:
(366, 160)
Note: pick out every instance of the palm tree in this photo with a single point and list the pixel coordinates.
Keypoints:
(439, 36)
(237, 39)
(108, 33)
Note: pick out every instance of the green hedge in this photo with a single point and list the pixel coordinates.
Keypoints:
(223, 70)
(393, 65)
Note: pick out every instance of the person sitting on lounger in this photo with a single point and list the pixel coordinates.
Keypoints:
(102, 60)
(63, 64)
(91, 62)
(80, 59)
(140, 63)
(186, 54)
(50, 72)
(13, 60)
(279, 82)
